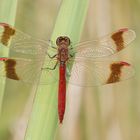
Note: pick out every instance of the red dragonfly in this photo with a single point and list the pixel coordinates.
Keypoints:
(71, 60)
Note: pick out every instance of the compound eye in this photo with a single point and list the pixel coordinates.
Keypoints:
(67, 39)
(60, 38)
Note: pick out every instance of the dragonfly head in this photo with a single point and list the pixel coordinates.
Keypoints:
(63, 40)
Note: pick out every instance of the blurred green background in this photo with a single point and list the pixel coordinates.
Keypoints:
(110, 112)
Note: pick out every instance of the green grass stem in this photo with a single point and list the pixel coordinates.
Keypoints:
(7, 14)
(44, 118)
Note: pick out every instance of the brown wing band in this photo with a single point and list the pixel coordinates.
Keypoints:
(7, 33)
(118, 39)
(115, 73)
(10, 69)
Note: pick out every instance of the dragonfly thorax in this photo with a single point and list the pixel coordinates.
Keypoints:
(62, 54)
(63, 43)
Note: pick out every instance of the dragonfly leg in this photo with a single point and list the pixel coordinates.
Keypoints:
(53, 68)
(70, 47)
(52, 45)
(71, 55)
(52, 56)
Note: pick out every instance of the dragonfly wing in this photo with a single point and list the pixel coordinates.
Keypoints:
(106, 46)
(94, 73)
(25, 70)
(93, 50)
(119, 40)
(29, 55)
(20, 42)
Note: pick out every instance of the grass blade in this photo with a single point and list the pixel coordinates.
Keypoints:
(44, 119)
(7, 15)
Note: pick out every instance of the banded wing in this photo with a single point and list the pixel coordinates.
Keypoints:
(86, 72)
(105, 46)
(26, 70)
(89, 73)
(22, 43)
(101, 72)
(29, 55)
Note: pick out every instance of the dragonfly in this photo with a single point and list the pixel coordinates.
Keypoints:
(64, 61)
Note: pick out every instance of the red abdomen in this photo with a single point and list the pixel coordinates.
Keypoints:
(62, 92)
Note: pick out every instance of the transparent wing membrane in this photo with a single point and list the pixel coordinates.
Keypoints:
(94, 50)
(83, 72)
(106, 46)
(29, 55)
(21, 43)
(94, 73)
(27, 70)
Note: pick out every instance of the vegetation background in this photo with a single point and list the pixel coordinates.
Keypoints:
(110, 112)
